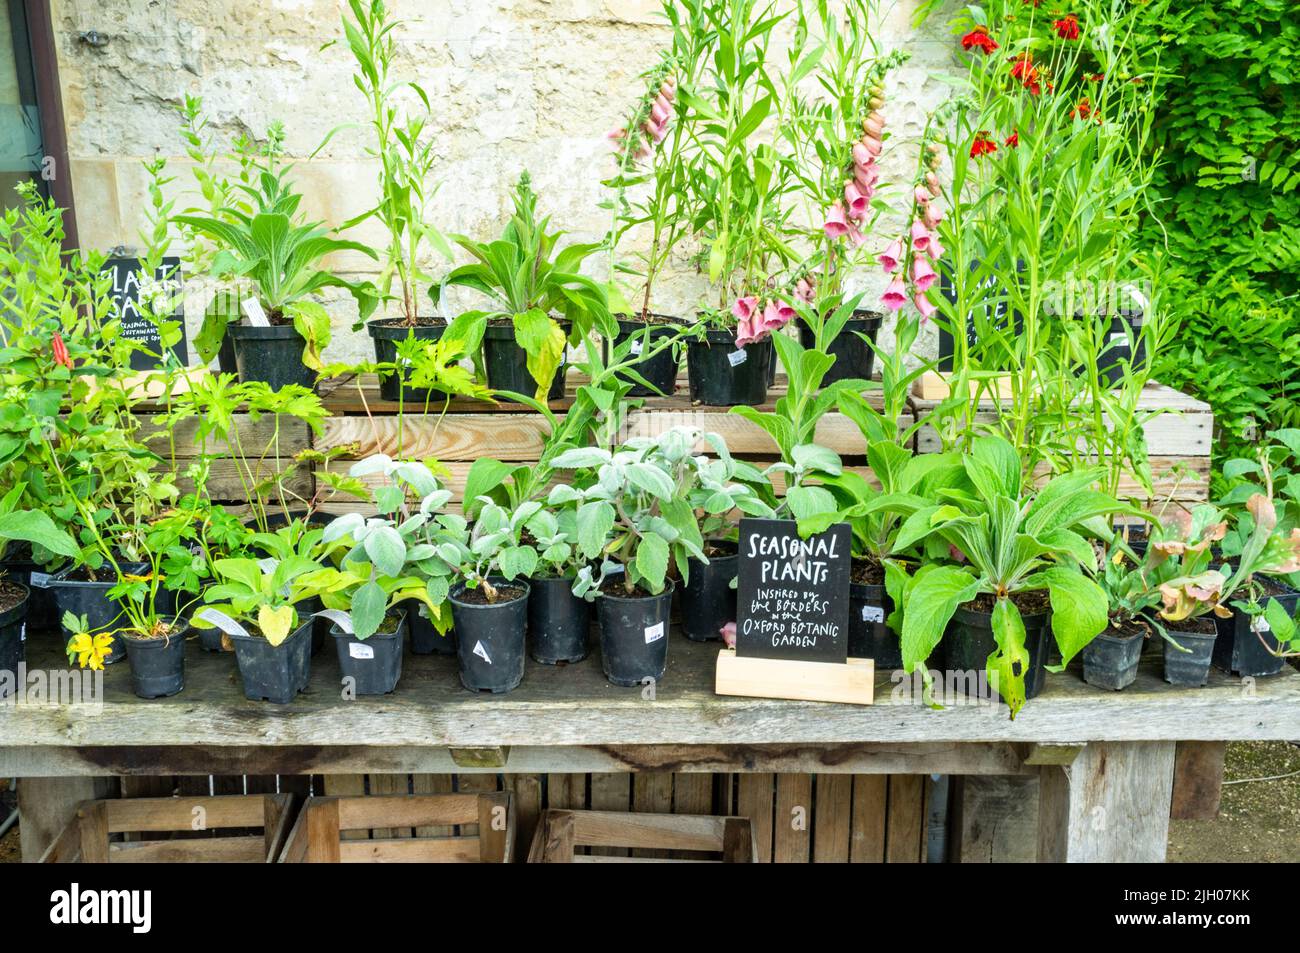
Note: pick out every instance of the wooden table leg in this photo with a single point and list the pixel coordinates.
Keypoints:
(1111, 805)
(46, 805)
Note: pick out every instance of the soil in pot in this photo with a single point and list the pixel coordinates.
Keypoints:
(1190, 668)
(708, 599)
(19, 568)
(14, 600)
(274, 673)
(722, 375)
(506, 363)
(271, 354)
(387, 333)
(158, 663)
(1244, 641)
(854, 357)
(490, 636)
(659, 371)
(1110, 660)
(76, 592)
(969, 641)
(633, 632)
(558, 621)
(425, 637)
(373, 665)
(869, 607)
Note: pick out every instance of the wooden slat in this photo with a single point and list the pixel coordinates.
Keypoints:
(380, 812)
(652, 793)
(320, 819)
(526, 790)
(507, 437)
(905, 819)
(340, 396)
(93, 819)
(566, 791)
(227, 479)
(213, 850)
(1198, 780)
(347, 785)
(692, 793)
(433, 784)
(256, 437)
(496, 826)
(1169, 435)
(833, 817)
(755, 799)
(380, 785)
(611, 792)
(475, 784)
(408, 850)
(661, 833)
(177, 814)
(995, 820)
(870, 800)
(792, 827)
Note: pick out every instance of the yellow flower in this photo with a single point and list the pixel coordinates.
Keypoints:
(91, 650)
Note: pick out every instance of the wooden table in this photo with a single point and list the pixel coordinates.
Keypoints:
(1105, 760)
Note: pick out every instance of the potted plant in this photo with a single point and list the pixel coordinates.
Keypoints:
(519, 344)
(566, 539)
(257, 605)
(279, 258)
(1014, 572)
(400, 115)
(490, 601)
(642, 492)
(1111, 659)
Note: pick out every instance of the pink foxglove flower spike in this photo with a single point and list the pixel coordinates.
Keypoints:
(895, 295)
(891, 256)
(837, 225)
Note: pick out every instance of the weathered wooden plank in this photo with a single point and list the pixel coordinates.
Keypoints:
(432, 784)
(475, 784)
(870, 802)
(613, 792)
(47, 805)
(228, 482)
(527, 792)
(755, 799)
(652, 793)
(566, 791)
(1168, 435)
(509, 437)
(1110, 806)
(905, 819)
(346, 785)
(995, 820)
(381, 784)
(792, 825)
(833, 817)
(255, 437)
(1198, 780)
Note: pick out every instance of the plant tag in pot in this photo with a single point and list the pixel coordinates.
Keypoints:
(482, 652)
(254, 312)
(1258, 624)
(40, 580)
(361, 650)
(736, 358)
(654, 633)
(873, 614)
(635, 349)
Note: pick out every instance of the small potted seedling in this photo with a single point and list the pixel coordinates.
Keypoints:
(642, 492)
(1111, 659)
(567, 539)
(490, 602)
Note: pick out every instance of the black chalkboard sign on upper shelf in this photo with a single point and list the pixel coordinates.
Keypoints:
(988, 324)
(792, 599)
(127, 274)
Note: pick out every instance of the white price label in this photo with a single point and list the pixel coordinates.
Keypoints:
(482, 652)
(636, 347)
(254, 312)
(654, 633)
(1259, 624)
(40, 580)
(873, 614)
(22, 633)
(738, 357)
(358, 650)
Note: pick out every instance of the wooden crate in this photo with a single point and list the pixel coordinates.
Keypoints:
(562, 834)
(390, 829)
(114, 831)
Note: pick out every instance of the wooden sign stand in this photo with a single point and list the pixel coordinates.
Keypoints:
(852, 682)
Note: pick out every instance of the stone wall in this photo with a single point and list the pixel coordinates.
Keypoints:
(516, 84)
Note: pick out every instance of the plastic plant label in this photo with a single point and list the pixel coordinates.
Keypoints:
(736, 358)
(360, 650)
(635, 349)
(22, 632)
(482, 652)
(873, 614)
(654, 633)
(40, 580)
(253, 311)
(1258, 624)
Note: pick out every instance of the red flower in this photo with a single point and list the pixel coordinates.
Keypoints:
(982, 146)
(979, 38)
(1083, 110)
(60, 351)
(1023, 69)
(1067, 28)
(1013, 140)
(1095, 77)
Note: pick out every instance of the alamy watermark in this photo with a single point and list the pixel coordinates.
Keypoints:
(52, 688)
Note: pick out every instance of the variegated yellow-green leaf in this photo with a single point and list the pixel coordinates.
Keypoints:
(275, 623)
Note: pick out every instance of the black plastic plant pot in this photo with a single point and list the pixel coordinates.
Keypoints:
(659, 370)
(1190, 669)
(13, 622)
(91, 600)
(558, 621)
(41, 612)
(274, 673)
(425, 637)
(869, 636)
(373, 664)
(969, 642)
(490, 638)
(506, 364)
(708, 600)
(157, 665)
(1244, 641)
(722, 375)
(1110, 660)
(854, 357)
(271, 354)
(634, 636)
(387, 333)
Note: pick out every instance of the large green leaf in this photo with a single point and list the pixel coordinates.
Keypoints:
(33, 526)
(595, 519)
(543, 341)
(369, 603)
(933, 598)
(1007, 666)
(1079, 609)
(652, 561)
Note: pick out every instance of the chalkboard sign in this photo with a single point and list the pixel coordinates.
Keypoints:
(792, 599)
(127, 273)
(991, 314)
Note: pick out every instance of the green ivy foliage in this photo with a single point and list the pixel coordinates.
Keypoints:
(1229, 193)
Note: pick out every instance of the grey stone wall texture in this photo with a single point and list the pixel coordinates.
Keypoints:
(516, 84)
